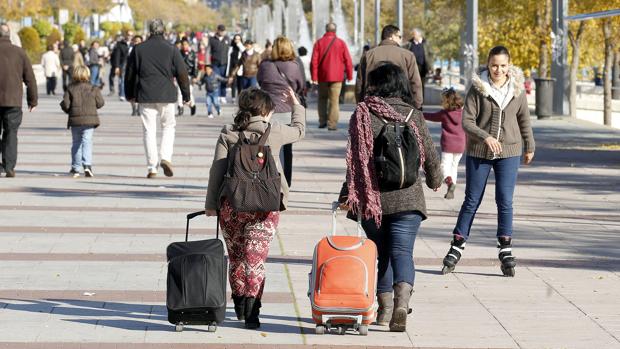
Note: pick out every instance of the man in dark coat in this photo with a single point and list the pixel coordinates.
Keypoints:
(118, 62)
(417, 45)
(219, 44)
(151, 68)
(66, 62)
(15, 70)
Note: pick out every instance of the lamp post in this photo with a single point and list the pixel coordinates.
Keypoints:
(559, 62)
(470, 49)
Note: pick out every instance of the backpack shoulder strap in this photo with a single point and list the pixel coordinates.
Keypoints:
(265, 135)
(326, 51)
(242, 138)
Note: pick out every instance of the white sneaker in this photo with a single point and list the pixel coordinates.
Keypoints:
(210, 116)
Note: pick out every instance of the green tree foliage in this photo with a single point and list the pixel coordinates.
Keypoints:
(31, 43)
(112, 29)
(54, 37)
(43, 27)
(70, 29)
(442, 23)
(79, 36)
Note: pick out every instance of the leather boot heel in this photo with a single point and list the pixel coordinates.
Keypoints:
(386, 308)
(402, 295)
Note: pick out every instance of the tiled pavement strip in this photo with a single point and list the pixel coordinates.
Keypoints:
(83, 259)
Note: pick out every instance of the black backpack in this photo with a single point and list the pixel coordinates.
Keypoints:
(396, 155)
(252, 182)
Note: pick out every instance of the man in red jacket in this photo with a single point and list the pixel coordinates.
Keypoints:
(330, 62)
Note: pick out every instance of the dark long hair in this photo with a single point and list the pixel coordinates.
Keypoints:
(389, 81)
(498, 50)
(252, 101)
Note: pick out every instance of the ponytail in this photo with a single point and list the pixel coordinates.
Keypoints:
(252, 102)
(242, 119)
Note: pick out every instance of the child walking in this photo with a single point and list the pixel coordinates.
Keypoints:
(248, 234)
(81, 101)
(452, 137)
(212, 82)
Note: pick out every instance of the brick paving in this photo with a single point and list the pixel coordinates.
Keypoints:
(83, 262)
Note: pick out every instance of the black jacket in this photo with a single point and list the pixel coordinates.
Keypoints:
(119, 54)
(191, 63)
(219, 50)
(66, 56)
(150, 71)
(81, 101)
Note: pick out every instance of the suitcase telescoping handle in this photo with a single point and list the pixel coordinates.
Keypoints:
(335, 207)
(200, 213)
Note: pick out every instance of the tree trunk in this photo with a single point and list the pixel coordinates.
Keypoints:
(575, 41)
(607, 72)
(615, 81)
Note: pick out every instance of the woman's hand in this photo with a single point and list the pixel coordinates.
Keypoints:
(494, 145)
(211, 213)
(290, 97)
(528, 158)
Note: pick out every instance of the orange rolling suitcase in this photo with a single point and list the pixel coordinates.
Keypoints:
(343, 282)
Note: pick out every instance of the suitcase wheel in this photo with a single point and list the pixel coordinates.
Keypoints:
(212, 327)
(319, 329)
(178, 327)
(363, 330)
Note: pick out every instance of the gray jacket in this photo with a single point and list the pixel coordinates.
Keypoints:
(279, 135)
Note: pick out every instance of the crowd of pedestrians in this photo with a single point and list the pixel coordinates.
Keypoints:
(490, 126)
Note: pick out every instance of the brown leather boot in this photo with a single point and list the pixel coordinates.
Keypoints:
(386, 307)
(402, 294)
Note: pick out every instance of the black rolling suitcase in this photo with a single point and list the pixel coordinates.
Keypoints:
(196, 293)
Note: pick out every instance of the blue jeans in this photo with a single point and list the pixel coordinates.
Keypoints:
(221, 70)
(82, 148)
(95, 80)
(121, 83)
(477, 172)
(395, 240)
(247, 82)
(213, 100)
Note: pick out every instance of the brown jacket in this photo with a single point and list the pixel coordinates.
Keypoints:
(81, 101)
(389, 51)
(483, 117)
(280, 135)
(250, 65)
(15, 69)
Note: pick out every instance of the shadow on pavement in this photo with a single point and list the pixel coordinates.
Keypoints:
(134, 317)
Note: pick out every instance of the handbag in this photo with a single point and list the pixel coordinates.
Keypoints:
(300, 97)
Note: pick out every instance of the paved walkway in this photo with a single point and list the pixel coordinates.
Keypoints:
(83, 261)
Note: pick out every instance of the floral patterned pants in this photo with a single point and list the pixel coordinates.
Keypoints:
(247, 236)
